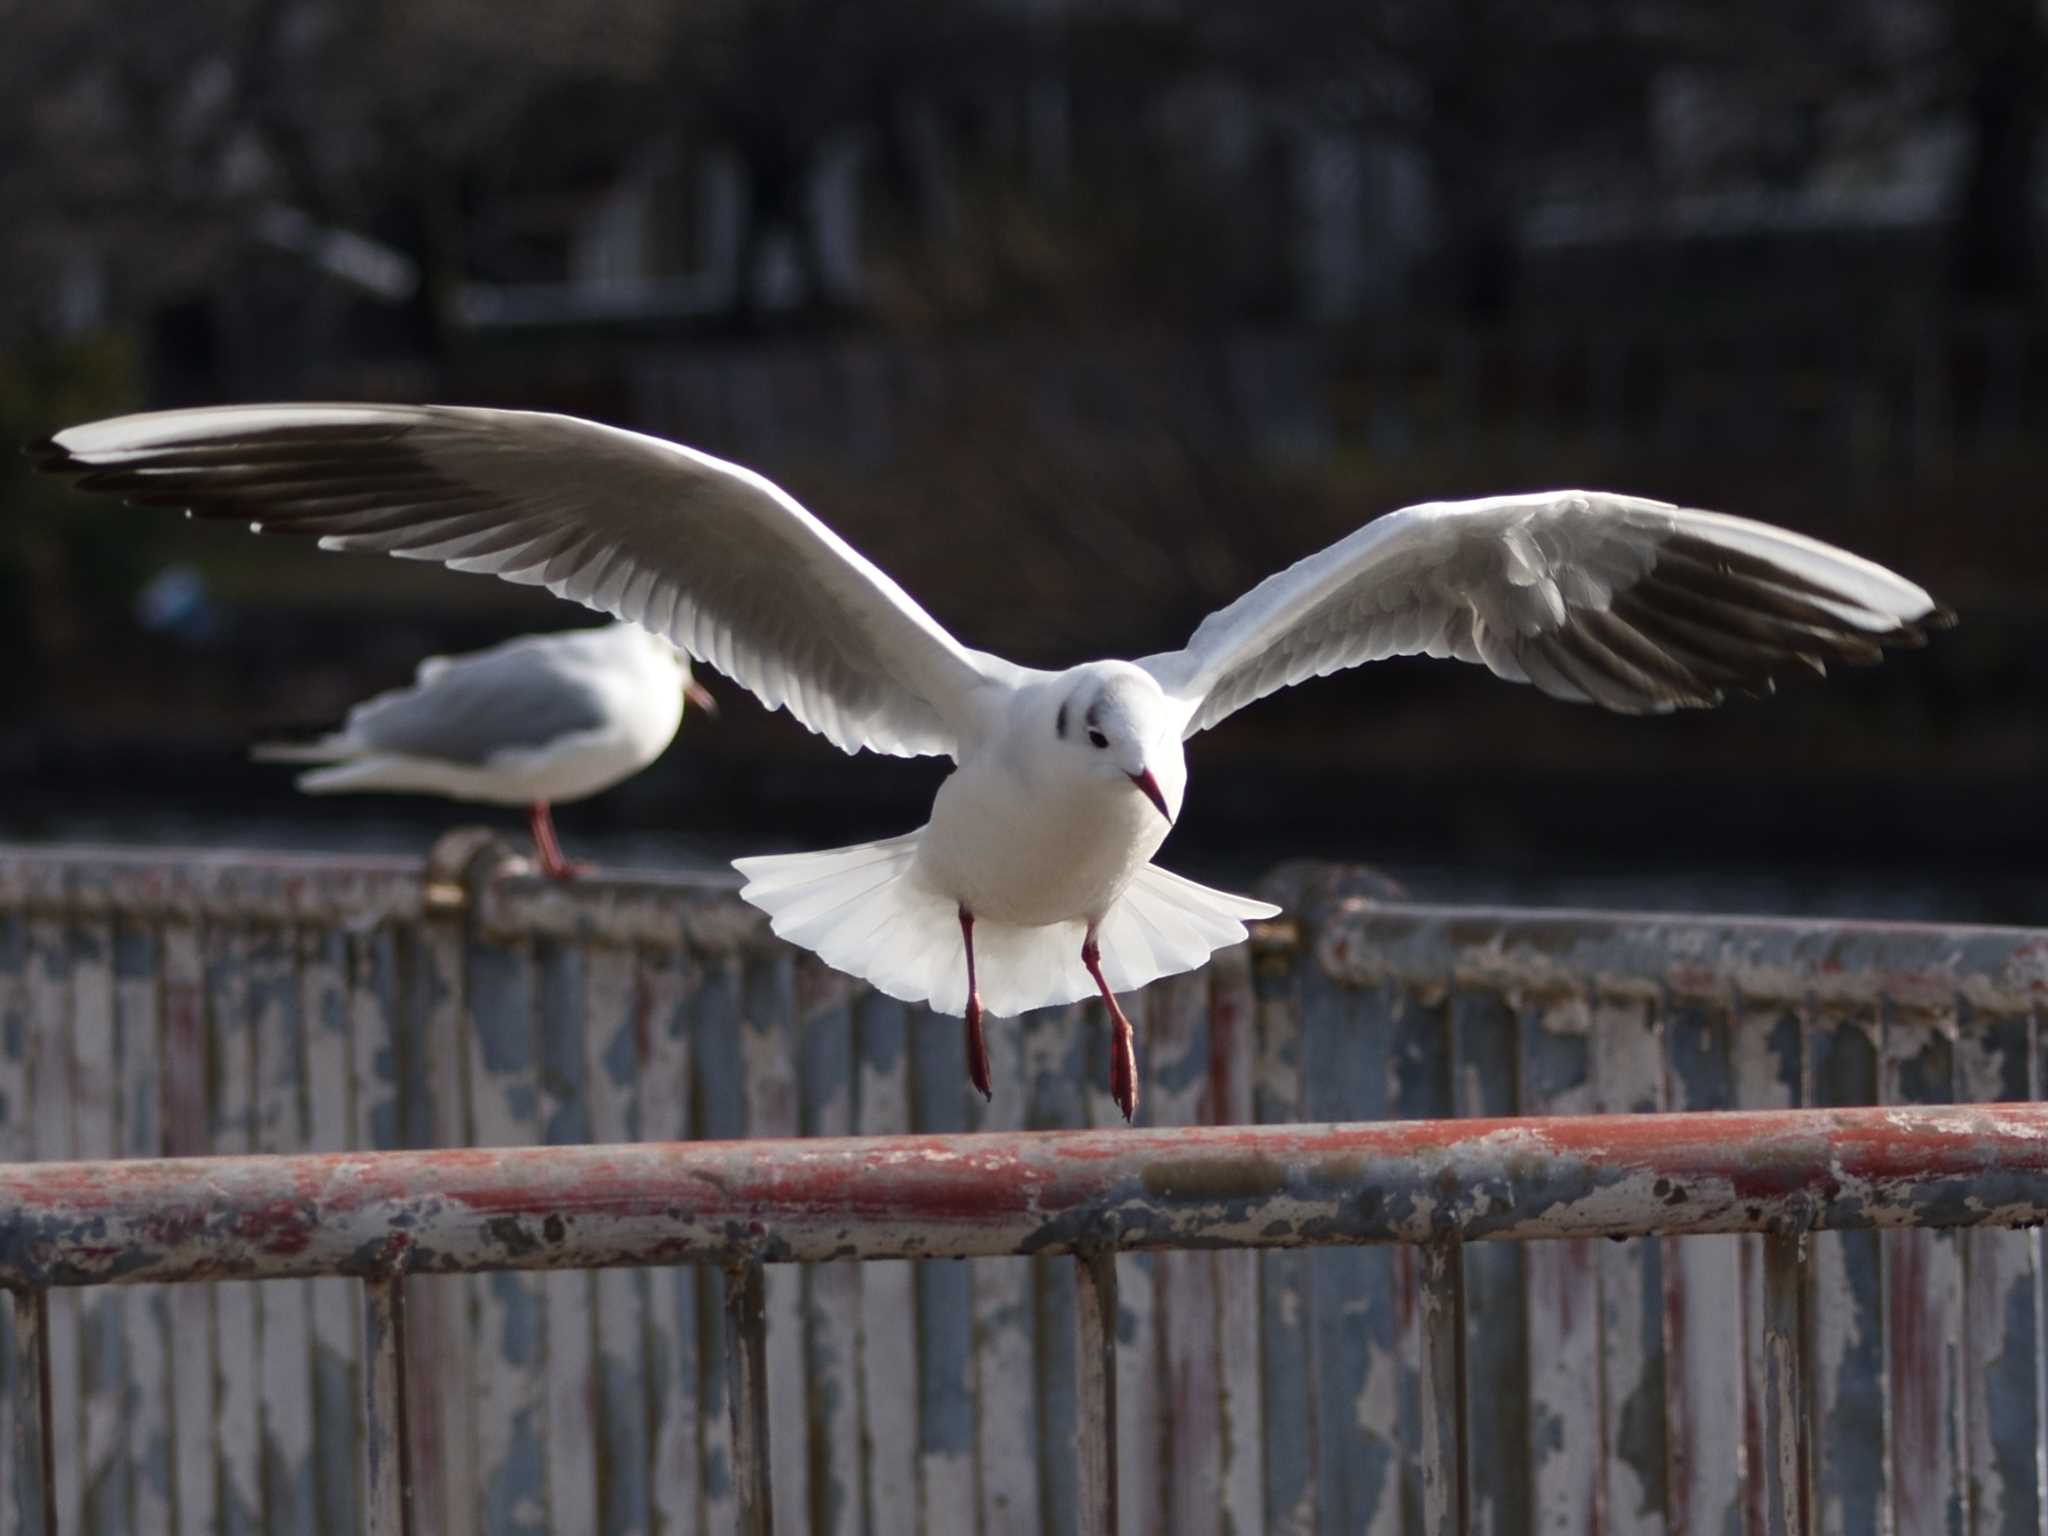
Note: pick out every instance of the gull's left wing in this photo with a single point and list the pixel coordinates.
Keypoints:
(1632, 604)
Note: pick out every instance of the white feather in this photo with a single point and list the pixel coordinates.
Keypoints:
(865, 911)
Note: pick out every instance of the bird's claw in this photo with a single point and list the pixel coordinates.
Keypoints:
(1123, 1068)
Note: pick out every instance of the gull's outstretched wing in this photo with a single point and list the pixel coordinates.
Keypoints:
(1614, 600)
(720, 560)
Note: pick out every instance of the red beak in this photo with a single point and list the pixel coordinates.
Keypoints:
(694, 692)
(1150, 785)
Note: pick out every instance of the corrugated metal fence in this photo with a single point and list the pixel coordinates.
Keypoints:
(196, 1004)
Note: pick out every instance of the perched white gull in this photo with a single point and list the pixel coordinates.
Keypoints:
(533, 721)
(1032, 884)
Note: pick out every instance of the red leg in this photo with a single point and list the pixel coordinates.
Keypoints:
(977, 1047)
(552, 864)
(1123, 1054)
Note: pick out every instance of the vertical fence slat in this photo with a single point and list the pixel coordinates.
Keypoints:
(1446, 1501)
(1353, 1375)
(1852, 1467)
(146, 1321)
(1923, 1294)
(324, 1020)
(769, 1061)
(238, 1344)
(1290, 1462)
(1005, 1396)
(888, 1299)
(614, 1026)
(1095, 1381)
(387, 1401)
(1786, 1452)
(721, 1116)
(831, 1291)
(1628, 1078)
(52, 1107)
(1232, 1066)
(15, 1147)
(1768, 1075)
(746, 1354)
(944, 1314)
(507, 1360)
(286, 1369)
(1563, 1295)
(1419, 1061)
(376, 1039)
(572, 1448)
(443, 1415)
(379, 1044)
(666, 981)
(2003, 1433)
(187, 1048)
(34, 1504)
(102, 1345)
(1484, 1037)
(1177, 1078)
(1054, 1064)
(1702, 1296)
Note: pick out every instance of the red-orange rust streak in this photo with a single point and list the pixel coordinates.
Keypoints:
(71, 1223)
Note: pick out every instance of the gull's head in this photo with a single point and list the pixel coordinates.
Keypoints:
(1114, 723)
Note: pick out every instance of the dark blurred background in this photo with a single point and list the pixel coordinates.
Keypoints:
(1078, 318)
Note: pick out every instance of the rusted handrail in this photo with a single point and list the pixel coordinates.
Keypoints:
(978, 1196)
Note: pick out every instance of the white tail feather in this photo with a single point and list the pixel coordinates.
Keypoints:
(863, 910)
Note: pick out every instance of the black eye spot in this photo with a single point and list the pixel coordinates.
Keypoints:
(1059, 721)
(1098, 738)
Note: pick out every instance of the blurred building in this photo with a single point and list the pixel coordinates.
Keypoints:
(1161, 293)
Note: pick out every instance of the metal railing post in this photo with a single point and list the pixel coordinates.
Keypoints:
(35, 1480)
(746, 1356)
(387, 1442)
(1095, 1390)
(1442, 1319)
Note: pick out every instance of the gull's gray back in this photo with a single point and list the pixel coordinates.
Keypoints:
(517, 696)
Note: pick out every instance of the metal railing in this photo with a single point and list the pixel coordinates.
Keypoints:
(741, 1205)
(355, 1016)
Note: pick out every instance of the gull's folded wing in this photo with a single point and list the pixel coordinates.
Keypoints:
(518, 696)
(717, 558)
(1635, 605)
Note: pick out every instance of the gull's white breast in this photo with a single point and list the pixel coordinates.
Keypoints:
(1032, 853)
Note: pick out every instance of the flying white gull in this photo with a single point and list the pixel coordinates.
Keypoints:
(1032, 884)
(536, 720)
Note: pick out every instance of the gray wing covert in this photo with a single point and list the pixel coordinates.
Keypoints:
(475, 708)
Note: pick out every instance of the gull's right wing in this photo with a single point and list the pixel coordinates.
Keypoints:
(719, 559)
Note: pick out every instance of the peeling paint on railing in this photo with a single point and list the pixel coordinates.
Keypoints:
(812, 1201)
(172, 1004)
